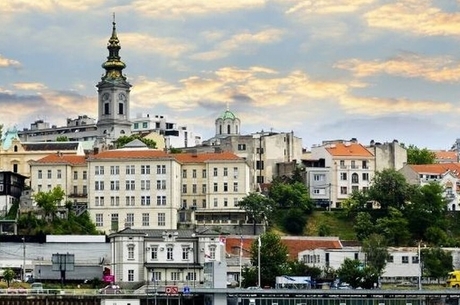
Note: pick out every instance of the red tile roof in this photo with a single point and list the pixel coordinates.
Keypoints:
(154, 154)
(445, 155)
(62, 159)
(351, 150)
(438, 168)
(295, 244)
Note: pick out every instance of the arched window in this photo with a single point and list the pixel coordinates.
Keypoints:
(106, 108)
(228, 129)
(15, 148)
(354, 178)
(121, 108)
(220, 129)
(236, 129)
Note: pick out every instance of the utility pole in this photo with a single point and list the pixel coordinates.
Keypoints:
(23, 258)
(258, 260)
(420, 266)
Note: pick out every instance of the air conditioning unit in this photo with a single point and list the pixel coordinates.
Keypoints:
(162, 248)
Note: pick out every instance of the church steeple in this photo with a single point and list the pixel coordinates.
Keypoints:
(113, 66)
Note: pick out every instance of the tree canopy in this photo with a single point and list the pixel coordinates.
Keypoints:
(123, 140)
(416, 155)
(258, 208)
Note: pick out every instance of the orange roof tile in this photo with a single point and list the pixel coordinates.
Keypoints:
(351, 150)
(445, 155)
(62, 159)
(204, 157)
(438, 168)
(295, 244)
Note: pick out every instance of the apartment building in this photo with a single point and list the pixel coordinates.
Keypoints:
(446, 174)
(352, 168)
(69, 172)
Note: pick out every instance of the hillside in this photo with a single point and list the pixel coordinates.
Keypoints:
(331, 222)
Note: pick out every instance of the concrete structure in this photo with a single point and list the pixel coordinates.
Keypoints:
(11, 187)
(388, 155)
(352, 168)
(446, 174)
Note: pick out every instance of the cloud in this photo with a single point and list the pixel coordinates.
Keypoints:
(180, 8)
(244, 42)
(373, 106)
(323, 7)
(17, 6)
(414, 16)
(6, 62)
(435, 69)
(164, 46)
(29, 86)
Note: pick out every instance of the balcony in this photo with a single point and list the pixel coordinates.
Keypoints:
(78, 195)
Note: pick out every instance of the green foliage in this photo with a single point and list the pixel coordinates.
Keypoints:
(273, 257)
(376, 249)
(257, 207)
(293, 195)
(357, 275)
(294, 221)
(49, 201)
(249, 275)
(324, 230)
(436, 262)
(416, 155)
(123, 140)
(173, 150)
(62, 139)
(389, 189)
(299, 268)
(394, 227)
(8, 275)
(363, 225)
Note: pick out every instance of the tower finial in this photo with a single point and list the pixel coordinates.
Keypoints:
(228, 106)
(113, 14)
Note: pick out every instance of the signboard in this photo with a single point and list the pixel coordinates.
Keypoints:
(186, 290)
(171, 290)
(63, 262)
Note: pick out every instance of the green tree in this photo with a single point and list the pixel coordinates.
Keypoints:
(363, 225)
(436, 262)
(390, 189)
(394, 227)
(62, 139)
(416, 155)
(49, 201)
(8, 275)
(273, 257)
(299, 268)
(427, 209)
(354, 273)
(123, 140)
(375, 248)
(258, 208)
(295, 195)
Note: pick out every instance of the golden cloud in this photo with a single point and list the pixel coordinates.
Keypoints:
(323, 7)
(164, 46)
(6, 62)
(181, 8)
(436, 69)
(15, 6)
(415, 16)
(29, 86)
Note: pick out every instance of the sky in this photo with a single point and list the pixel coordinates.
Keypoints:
(325, 69)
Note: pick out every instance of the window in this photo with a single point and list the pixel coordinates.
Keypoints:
(191, 276)
(130, 251)
(184, 188)
(216, 188)
(130, 170)
(241, 146)
(225, 172)
(99, 185)
(215, 172)
(145, 200)
(175, 276)
(161, 219)
(40, 174)
(225, 202)
(353, 164)
(184, 173)
(390, 259)
(319, 191)
(260, 179)
(169, 253)
(99, 170)
(203, 203)
(130, 185)
(212, 252)
(114, 170)
(194, 173)
(405, 259)
(343, 190)
(215, 202)
(144, 125)
(130, 200)
(203, 173)
(235, 186)
(114, 185)
(130, 275)
(49, 174)
(342, 164)
(354, 178)
(235, 202)
(319, 177)
(145, 169)
(156, 276)
(343, 176)
(85, 175)
(365, 165)
(130, 219)
(161, 169)
(259, 164)
(414, 259)
(354, 188)
(161, 200)
(194, 188)
(365, 176)
(75, 189)
(185, 253)
(75, 175)
(225, 187)
(145, 219)
(259, 150)
(203, 188)
(145, 185)
(154, 253)
(85, 190)
(136, 125)
(235, 172)
(161, 184)
(99, 220)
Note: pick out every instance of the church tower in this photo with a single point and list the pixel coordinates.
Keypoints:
(113, 95)
(227, 124)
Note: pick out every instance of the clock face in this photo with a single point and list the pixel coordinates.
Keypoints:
(122, 97)
(105, 97)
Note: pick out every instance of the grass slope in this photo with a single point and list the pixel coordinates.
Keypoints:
(337, 225)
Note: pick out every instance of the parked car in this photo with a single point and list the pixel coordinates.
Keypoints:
(111, 289)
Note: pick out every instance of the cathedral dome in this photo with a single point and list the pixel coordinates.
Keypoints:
(228, 115)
